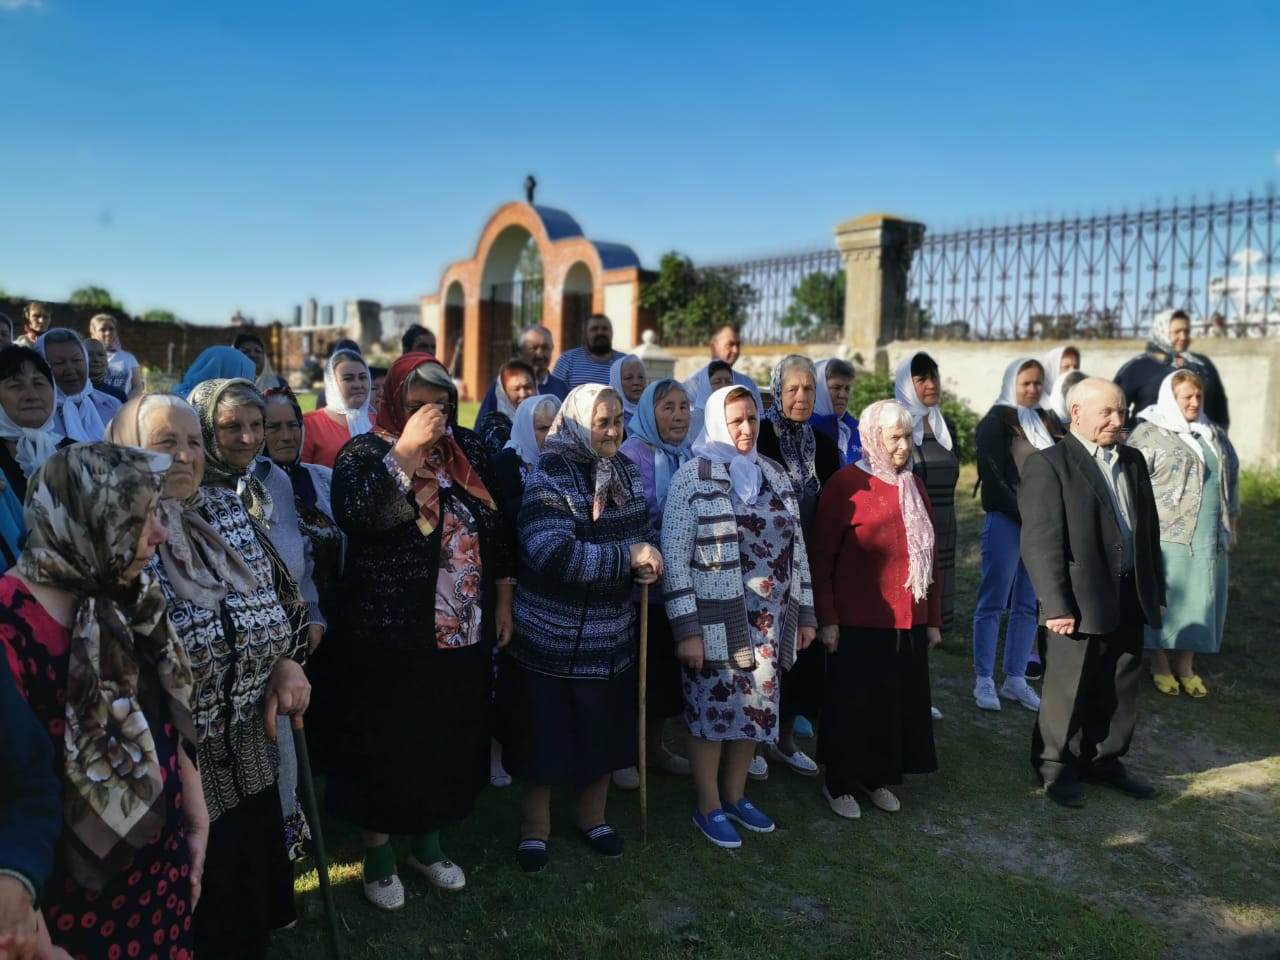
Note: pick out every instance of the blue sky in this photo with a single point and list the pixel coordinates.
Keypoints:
(208, 157)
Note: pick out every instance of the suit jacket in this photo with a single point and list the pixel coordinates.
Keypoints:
(1071, 543)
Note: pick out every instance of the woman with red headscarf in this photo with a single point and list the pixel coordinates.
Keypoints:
(408, 746)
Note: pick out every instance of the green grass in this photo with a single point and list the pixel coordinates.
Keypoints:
(976, 866)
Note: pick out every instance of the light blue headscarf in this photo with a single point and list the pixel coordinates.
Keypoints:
(667, 457)
(13, 526)
(216, 363)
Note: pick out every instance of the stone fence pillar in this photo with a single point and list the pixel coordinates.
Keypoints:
(658, 364)
(877, 253)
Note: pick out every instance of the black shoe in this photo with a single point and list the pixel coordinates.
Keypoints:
(1035, 670)
(604, 840)
(532, 855)
(1066, 793)
(1114, 775)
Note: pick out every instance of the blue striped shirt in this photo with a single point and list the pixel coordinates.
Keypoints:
(576, 367)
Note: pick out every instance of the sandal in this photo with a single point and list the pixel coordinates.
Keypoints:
(1193, 685)
(1166, 683)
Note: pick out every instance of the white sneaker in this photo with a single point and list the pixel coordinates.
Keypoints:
(1017, 688)
(385, 894)
(884, 798)
(759, 769)
(627, 778)
(799, 761)
(935, 713)
(984, 694)
(842, 806)
(443, 874)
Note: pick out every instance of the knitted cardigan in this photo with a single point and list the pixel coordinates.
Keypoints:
(702, 575)
(573, 611)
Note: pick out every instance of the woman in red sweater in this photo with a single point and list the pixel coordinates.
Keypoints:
(872, 562)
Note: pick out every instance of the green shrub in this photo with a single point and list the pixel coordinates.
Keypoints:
(870, 387)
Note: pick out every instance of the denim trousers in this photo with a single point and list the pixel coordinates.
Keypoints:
(1005, 586)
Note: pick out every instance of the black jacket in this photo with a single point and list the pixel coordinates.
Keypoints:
(1003, 448)
(1071, 543)
(1141, 377)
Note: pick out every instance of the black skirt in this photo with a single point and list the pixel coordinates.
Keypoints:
(802, 685)
(247, 889)
(876, 724)
(556, 731)
(409, 752)
(663, 695)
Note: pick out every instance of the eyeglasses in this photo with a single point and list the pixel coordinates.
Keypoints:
(445, 408)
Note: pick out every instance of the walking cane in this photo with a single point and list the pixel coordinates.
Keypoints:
(317, 837)
(644, 671)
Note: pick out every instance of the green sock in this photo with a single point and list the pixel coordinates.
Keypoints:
(426, 847)
(379, 863)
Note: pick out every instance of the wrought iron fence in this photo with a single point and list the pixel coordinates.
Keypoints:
(775, 280)
(1105, 276)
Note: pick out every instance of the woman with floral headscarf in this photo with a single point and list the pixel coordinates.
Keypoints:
(738, 594)
(427, 593)
(84, 630)
(568, 700)
(220, 580)
(1167, 351)
(874, 551)
(810, 458)
(347, 387)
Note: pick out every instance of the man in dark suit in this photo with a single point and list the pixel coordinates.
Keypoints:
(1091, 544)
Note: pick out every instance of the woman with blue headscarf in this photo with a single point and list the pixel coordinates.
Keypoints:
(658, 444)
(216, 363)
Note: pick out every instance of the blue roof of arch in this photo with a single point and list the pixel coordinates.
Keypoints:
(558, 224)
(615, 256)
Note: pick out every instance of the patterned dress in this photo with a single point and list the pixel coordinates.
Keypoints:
(726, 702)
(143, 911)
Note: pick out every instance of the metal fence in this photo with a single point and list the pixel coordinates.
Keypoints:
(1105, 276)
(775, 279)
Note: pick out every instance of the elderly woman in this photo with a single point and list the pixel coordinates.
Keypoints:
(1014, 428)
(628, 378)
(810, 458)
(6, 330)
(831, 408)
(124, 372)
(423, 537)
(221, 584)
(873, 560)
(1195, 475)
(251, 345)
(569, 691)
(740, 603)
(515, 383)
(215, 363)
(1167, 351)
(84, 631)
(658, 444)
(82, 411)
(27, 433)
(97, 355)
(347, 412)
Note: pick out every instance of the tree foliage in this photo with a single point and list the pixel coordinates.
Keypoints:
(816, 313)
(160, 316)
(95, 297)
(870, 387)
(692, 302)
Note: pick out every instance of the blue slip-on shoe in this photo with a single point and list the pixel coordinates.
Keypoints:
(715, 826)
(746, 814)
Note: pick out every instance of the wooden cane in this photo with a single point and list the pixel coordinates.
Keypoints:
(644, 673)
(317, 838)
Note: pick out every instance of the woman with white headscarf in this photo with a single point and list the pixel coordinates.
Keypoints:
(740, 603)
(82, 412)
(27, 434)
(569, 690)
(1195, 476)
(1167, 351)
(347, 387)
(1059, 364)
(628, 378)
(1014, 428)
(831, 408)
(873, 564)
(515, 383)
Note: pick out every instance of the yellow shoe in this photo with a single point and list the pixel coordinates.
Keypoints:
(1194, 686)
(1166, 683)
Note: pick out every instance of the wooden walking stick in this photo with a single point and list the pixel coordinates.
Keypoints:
(317, 838)
(644, 671)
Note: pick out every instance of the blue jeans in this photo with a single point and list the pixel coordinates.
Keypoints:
(1005, 585)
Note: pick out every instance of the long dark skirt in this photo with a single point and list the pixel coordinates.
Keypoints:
(573, 732)
(876, 724)
(663, 695)
(803, 684)
(410, 753)
(247, 889)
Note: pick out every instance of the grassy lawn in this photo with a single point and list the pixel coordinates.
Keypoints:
(976, 865)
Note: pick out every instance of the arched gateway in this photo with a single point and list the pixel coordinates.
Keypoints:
(485, 300)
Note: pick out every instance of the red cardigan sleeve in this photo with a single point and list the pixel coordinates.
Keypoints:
(831, 524)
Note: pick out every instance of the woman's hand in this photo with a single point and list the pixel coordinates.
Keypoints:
(422, 432)
(689, 652)
(503, 616)
(935, 636)
(197, 816)
(288, 693)
(830, 637)
(315, 633)
(18, 921)
(646, 562)
(805, 637)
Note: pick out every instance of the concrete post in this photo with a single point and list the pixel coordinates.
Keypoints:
(877, 253)
(658, 364)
